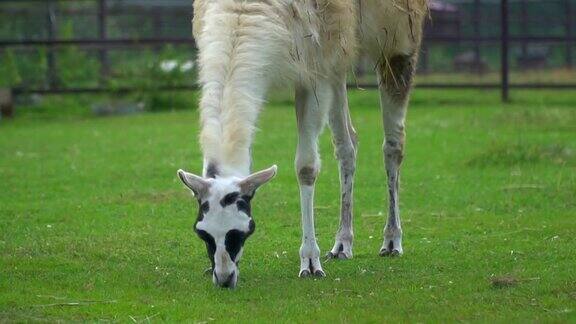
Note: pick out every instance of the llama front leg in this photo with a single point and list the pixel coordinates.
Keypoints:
(395, 82)
(344, 139)
(310, 120)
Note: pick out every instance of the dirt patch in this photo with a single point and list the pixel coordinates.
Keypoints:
(514, 154)
(568, 290)
(504, 281)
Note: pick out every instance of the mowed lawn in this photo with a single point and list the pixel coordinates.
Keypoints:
(95, 225)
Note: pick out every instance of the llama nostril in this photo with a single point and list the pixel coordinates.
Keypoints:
(229, 283)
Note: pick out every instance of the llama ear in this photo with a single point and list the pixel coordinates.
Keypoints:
(255, 180)
(198, 185)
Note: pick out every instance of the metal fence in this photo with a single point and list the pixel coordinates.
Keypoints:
(87, 46)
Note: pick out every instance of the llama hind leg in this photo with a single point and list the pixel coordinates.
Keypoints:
(395, 83)
(344, 139)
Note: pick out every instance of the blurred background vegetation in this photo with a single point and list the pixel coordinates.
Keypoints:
(448, 55)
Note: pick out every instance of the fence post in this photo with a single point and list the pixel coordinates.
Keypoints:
(157, 23)
(6, 103)
(568, 9)
(51, 75)
(504, 65)
(102, 35)
(476, 22)
(524, 25)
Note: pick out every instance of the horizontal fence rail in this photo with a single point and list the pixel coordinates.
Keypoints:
(97, 42)
(360, 86)
(190, 41)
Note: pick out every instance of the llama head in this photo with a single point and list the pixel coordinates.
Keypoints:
(224, 218)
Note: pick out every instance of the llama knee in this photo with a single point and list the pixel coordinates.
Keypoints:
(307, 174)
(307, 167)
(394, 151)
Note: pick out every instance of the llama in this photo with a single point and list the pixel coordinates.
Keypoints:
(246, 46)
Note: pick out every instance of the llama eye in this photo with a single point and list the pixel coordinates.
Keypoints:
(243, 206)
(204, 207)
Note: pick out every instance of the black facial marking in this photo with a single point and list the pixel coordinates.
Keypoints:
(211, 170)
(234, 242)
(243, 206)
(204, 208)
(251, 228)
(210, 244)
(229, 199)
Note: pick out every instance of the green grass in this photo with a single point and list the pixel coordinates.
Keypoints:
(91, 210)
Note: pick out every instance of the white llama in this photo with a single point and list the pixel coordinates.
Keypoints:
(245, 45)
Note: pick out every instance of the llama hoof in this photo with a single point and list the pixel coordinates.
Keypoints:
(319, 273)
(342, 249)
(208, 271)
(310, 260)
(388, 253)
(339, 255)
(311, 267)
(304, 273)
(392, 245)
(392, 249)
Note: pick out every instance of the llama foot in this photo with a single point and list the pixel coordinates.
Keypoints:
(311, 267)
(392, 245)
(310, 261)
(342, 249)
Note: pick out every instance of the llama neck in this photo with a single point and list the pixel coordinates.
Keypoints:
(228, 116)
(235, 64)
